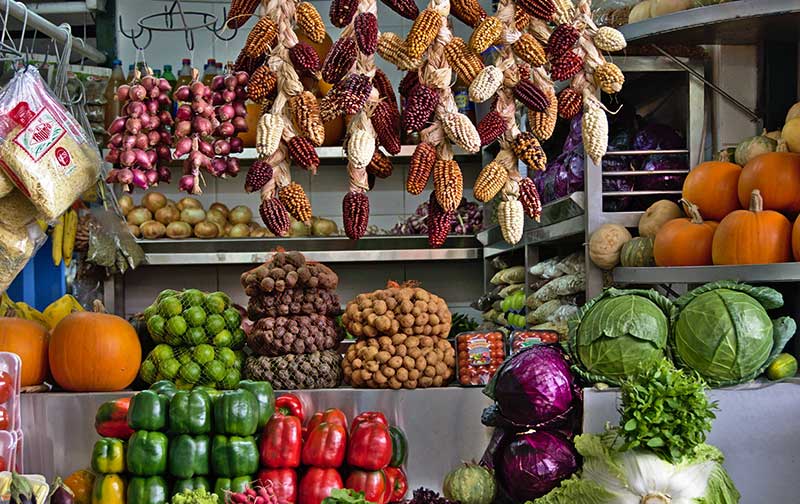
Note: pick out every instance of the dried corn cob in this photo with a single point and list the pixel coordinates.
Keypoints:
(245, 63)
(448, 183)
(527, 148)
(380, 165)
(491, 127)
(419, 107)
(263, 85)
(240, 11)
(511, 218)
(393, 49)
(562, 39)
(366, 30)
(609, 39)
(407, 84)
(521, 19)
(439, 222)
(340, 60)
(275, 216)
(542, 9)
(530, 50)
(302, 152)
(386, 122)
(406, 8)
(385, 88)
(305, 59)
(296, 202)
(594, 125)
(542, 124)
(460, 130)
(259, 174)
(566, 66)
(468, 12)
(529, 197)
(486, 84)
(352, 93)
(531, 96)
(569, 103)
(260, 37)
(565, 11)
(342, 12)
(360, 148)
(464, 61)
(420, 167)
(304, 110)
(486, 34)
(329, 108)
(423, 32)
(609, 78)
(490, 180)
(268, 134)
(355, 213)
(310, 21)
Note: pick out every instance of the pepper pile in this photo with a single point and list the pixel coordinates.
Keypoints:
(170, 435)
(372, 454)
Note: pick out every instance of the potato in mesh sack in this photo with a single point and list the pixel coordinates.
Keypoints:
(297, 372)
(287, 270)
(399, 361)
(293, 302)
(298, 335)
(43, 150)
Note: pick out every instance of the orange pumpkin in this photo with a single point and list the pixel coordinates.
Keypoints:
(713, 186)
(754, 236)
(28, 339)
(685, 241)
(777, 176)
(796, 239)
(94, 352)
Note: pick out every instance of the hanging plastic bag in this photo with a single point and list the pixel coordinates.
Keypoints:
(17, 246)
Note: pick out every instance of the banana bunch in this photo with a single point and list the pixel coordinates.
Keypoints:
(60, 308)
(51, 316)
(63, 242)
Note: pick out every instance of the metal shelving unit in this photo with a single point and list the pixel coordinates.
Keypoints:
(755, 273)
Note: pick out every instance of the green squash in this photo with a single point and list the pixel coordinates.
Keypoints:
(752, 147)
(638, 253)
(784, 366)
(470, 484)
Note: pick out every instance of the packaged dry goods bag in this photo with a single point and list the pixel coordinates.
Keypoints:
(17, 246)
(43, 150)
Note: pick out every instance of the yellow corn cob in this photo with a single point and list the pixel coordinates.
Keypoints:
(486, 34)
(486, 84)
(609, 39)
(268, 134)
(595, 129)
(360, 148)
(70, 231)
(393, 49)
(468, 11)
(521, 19)
(542, 124)
(490, 180)
(511, 218)
(465, 62)
(530, 50)
(448, 183)
(565, 11)
(423, 32)
(260, 37)
(57, 243)
(528, 149)
(460, 130)
(296, 201)
(609, 78)
(310, 21)
(305, 113)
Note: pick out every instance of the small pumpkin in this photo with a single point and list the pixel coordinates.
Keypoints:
(94, 352)
(638, 252)
(714, 187)
(664, 7)
(752, 147)
(470, 484)
(793, 113)
(753, 236)
(686, 241)
(606, 244)
(29, 340)
(796, 239)
(81, 483)
(656, 215)
(777, 177)
(791, 134)
(640, 11)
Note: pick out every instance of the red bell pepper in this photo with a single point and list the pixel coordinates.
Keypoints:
(331, 416)
(396, 484)
(317, 484)
(370, 446)
(371, 416)
(281, 443)
(325, 446)
(372, 483)
(111, 419)
(290, 405)
(284, 482)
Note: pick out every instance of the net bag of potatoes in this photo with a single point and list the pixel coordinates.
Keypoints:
(44, 152)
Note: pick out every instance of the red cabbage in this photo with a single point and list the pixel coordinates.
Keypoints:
(534, 463)
(656, 163)
(656, 136)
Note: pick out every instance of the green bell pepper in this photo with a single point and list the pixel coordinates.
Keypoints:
(399, 447)
(147, 453)
(236, 485)
(265, 397)
(190, 413)
(152, 490)
(188, 456)
(236, 413)
(234, 456)
(108, 456)
(191, 485)
(211, 391)
(148, 411)
(165, 387)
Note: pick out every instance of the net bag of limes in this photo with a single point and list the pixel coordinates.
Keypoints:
(199, 338)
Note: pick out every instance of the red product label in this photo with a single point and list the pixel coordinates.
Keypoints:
(22, 114)
(62, 156)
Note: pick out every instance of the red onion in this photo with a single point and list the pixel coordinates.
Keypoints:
(148, 82)
(183, 128)
(184, 113)
(154, 93)
(242, 77)
(128, 142)
(231, 82)
(206, 148)
(142, 159)
(152, 156)
(116, 139)
(166, 138)
(145, 121)
(113, 176)
(218, 82)
(237, 145)
(164, 100)
(240, 109)
(226, 129)
(152, 106)
(163, 152)
(133, 125)
(124, 176)
(142, 141)
(207, 94)
(165, 117)
(137, 92)
(199, 107)
(218, 167)
(155, 122)
(228, 96)
(112, 156)
(202, 126)
(198, 89)
(116, 126)
(183, 146)
(164, 175)
(152, 177)
(233, 166)
(241, 94)
(122, 92)
(136, 108)
(216, 99)
(139, 179)
(164, 85)
(186, 183)
(239, 123)
(222, 147)
(182, 93)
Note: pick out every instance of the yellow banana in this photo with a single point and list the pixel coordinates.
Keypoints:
(58, 241)
(60, 308)
(24, 310)
(6, 304)
(70, 230)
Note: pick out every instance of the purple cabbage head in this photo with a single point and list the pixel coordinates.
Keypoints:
(656, 136)
(575, 137)
(534, 463)
(657, 163)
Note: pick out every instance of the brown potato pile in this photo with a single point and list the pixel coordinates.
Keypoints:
(399, 361)
(287, 270)
(405, 310)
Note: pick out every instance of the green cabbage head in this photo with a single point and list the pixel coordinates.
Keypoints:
(618, 330)
(724, 333)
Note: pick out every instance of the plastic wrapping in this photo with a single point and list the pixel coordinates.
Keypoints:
(479, 356)
(17, 246)
(16, 210)
(43, 149)
(523, 339)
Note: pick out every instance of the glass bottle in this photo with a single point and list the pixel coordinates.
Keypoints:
(112, 104)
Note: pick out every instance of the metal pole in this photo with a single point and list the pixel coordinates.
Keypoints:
(37, 22)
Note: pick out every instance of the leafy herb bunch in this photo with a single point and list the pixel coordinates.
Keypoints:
(666, 411)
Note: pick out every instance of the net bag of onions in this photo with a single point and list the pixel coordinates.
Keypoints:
(44, 152)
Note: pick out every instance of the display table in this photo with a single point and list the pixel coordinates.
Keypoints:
(443, 426)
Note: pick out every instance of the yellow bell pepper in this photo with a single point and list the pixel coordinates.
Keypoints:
(109, 489)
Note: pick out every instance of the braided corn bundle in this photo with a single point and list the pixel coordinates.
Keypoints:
(594, 126)
(468, 12)
(423, 32)
(296, 202)
(466, 62)
(486, 34)
(393, 49)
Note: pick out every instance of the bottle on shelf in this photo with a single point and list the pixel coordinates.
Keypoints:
(157, 73)
(131, 75)
(210, 71)
(169, 76)
(461, 97)
(185, 75)
(112, 104)
(220, 68)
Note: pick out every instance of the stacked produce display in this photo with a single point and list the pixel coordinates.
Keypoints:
(294, 337)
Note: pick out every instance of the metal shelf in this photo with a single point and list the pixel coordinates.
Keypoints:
(166, 252)
(757, 273)
(742, 22)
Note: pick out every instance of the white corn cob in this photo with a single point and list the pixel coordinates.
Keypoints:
(511, 218)
(486, 84)
(460, 130)
(609, 39)
(595, 129)
(268, 134)
(565, 11)
(360, 148)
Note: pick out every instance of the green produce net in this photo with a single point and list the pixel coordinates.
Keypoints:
(204, 364)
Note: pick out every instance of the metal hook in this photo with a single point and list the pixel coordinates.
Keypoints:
(134, 36)
(218, 31)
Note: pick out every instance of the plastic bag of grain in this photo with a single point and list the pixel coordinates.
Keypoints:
(43, 149)
(17, 246)
(16, 210)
